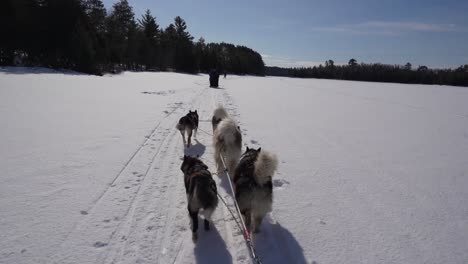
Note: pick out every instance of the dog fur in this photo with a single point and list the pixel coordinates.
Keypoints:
(254, 187)
(201, 192)
(218, 115)
(227, 140)
(188, 123)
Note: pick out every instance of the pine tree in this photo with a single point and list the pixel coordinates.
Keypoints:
(199, 54)
(168, 43)
(121, 33)
(10, 25)
(149, 49)
(408, 66)
(184, 50)
(96, 14)
(181, 29)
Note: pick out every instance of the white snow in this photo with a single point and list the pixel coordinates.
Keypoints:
(368, 172)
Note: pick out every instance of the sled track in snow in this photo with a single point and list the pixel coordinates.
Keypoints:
(142, 217)
(147, 139)
(103, 220)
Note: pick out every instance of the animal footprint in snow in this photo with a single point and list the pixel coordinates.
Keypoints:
(322, 222)
(280, 183)
(99, 244)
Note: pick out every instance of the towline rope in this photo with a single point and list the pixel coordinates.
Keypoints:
(246, 233)
(209, 134)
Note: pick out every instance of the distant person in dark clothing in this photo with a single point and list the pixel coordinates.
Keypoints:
(214, 78)
(225, 74)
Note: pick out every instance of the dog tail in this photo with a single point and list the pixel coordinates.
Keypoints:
(265, 166)
(220, 113)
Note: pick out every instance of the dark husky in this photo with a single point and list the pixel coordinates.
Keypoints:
(188, 123)
(253, 185)
(201, 192)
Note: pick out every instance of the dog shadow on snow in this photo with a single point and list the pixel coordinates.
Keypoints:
(275, 244)
(211, 248)
(195, 150)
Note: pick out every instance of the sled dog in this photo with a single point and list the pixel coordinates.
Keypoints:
(253, 185)
(227, 140)
(188, 123)
(201, 192)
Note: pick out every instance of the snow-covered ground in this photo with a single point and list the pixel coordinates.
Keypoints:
(369, 172)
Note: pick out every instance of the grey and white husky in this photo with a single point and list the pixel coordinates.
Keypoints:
(188, 123)
(227, 140)
(201, 192)
(253, 185)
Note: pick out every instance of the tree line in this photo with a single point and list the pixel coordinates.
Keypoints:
(377, 72)
(81, 35)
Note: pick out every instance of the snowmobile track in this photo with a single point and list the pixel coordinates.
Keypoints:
(117, 201)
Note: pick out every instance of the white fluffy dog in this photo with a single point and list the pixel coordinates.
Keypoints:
(227, 140)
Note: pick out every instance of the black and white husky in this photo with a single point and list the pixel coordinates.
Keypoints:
(253, 185)
(188, 123)
(227, 140)
(201, 192)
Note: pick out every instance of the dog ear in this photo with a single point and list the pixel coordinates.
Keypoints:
(195, 111)
(258, 150)
(246, 149)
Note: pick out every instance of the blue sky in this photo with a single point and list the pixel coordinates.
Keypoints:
(303, 33)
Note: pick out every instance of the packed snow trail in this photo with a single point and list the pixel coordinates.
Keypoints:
(142, 217)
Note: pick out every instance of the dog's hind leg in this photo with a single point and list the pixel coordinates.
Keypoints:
(219, 164)
(194, 222)
(207, 214)
(257, 222)
(247, 218)
(189, 137)
(182, 132)
(232, 167)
